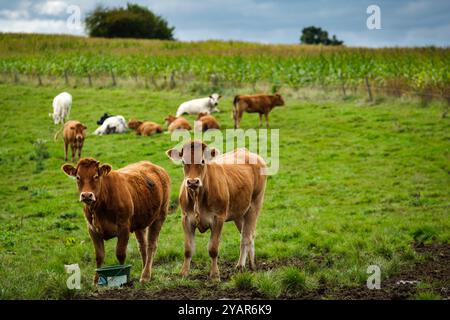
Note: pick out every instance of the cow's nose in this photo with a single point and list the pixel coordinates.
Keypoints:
(87, 197)
(193, 183)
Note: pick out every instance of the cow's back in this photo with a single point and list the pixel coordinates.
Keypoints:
(255, 103)
(242, 171)
(149, 187)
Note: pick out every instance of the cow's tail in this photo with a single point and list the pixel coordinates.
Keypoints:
(235, 106)
(58, 133)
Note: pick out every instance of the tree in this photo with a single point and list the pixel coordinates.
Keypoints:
(315, 35)
(134, 21)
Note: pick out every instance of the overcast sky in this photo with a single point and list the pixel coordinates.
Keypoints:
(403, 22)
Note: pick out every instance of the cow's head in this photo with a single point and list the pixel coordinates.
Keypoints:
(79, 131)
(89, 174)
(56, 118)
(194, 156)
(278, 100)
(169, 119)
(134, 124)
(201, 115)
(214, 99)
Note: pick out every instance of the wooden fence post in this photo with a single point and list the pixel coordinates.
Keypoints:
(113, 77)
(39, 79)
(89, 79)
(369, 90)
(342, 85)
(66, 77)
(16, 76)
(173, 84)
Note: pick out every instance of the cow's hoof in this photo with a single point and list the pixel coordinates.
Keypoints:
(215, 277)
(144, 279)
(240, 268)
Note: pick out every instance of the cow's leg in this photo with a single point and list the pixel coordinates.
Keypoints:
(267, 120)
(152, 243)
(260, 120)
(73, 152)
(141, 237)
(189, 244)
(122, 242)
(213, 247)
(247, 234)
(66, 148)
(99, 247)
(239, 222)
(79, 152)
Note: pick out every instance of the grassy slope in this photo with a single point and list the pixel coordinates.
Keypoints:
(356, 185)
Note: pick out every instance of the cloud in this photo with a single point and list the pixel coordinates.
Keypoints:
(404, 22)
(50, 8)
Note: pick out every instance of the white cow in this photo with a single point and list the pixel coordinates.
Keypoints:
(114, 124)
(62, 104)
(196, 106)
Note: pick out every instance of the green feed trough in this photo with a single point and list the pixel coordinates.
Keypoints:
(114, 276)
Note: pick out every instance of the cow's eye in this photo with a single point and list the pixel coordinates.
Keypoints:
(183, 162)
(96, 177)
(203, 161)
(78, 178)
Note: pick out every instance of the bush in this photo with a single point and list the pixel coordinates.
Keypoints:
(134, 21)
(267, 285)
(293, 279)
(243, 281)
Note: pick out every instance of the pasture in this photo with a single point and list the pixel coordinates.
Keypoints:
(358, 185)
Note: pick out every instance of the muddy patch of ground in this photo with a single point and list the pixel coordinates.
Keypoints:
(434, 271)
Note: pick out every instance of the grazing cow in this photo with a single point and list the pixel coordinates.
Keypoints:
(117, 202)
(177, 123)
(113, 124)
(62, 104)
(260, 103)
(195, 106)
(74, 133)
(146, 128)
(206, 122)
(103, 118)
(218, 190)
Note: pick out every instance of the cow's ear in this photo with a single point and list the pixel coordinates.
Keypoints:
(72, 128)
(220, 96)
(174, 154)
(84, 127)
(104, 169)
(210, 153)
(69, 169)
(210, 97)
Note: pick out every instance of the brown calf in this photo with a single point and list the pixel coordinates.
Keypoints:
(207, 121)
(216, 191)
(146, 128)
(74, 133)
(175, 123)
(260, 103)
(117, 202)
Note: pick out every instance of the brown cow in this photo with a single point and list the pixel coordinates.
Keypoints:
(74, 133)
(146, 128)
(175, 123)
(260, 103)
(216, 191)
(117, 202)
(207, 121)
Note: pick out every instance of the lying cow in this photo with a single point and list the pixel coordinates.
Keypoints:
(144, 128)
(218, 190)
(177, 123)
(206, 122)
(103, 118)
(114, 124)
(260, 103)
(207, 105)
(74, 133)
(117, 202)
(62, 104)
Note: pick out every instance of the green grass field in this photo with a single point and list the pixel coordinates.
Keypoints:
(357, 185)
